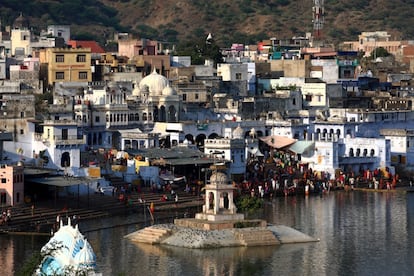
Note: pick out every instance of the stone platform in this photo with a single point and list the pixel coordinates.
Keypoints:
(181, 236)
(202, 224)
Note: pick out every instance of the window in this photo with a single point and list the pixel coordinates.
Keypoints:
(308, 98)
(184, 97)
(83, 75)
(238, 76)
(97, 119)
(3, 180)
(65, 134)
(21, 131)
(80, 58)
(196, 96)
(60, 58)
(60, 75)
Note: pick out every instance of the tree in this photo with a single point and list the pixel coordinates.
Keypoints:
(201, 50)
(379, 52)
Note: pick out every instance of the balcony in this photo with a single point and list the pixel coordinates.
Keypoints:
(357, 159)
(60, 140)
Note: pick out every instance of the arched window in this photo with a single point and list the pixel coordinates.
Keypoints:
(65, 160)
(372, 153)
(358, 152)
(365, 153)
(351, 152)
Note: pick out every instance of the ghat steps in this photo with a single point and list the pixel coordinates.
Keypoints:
(152, 235)
(255, 236)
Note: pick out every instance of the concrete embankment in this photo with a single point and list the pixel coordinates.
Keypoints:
(40, 219)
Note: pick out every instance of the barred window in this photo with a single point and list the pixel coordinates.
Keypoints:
(83, 75)
(60, 75)
(80, 58)
(60, 58)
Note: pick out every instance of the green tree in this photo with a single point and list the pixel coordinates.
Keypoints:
(248, 203)
(200, 50)
(379, 52)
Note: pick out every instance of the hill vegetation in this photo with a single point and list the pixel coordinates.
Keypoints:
(241, 21)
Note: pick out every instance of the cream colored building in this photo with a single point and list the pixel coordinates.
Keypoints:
(20, 37)
(66, 64)
(368, 41)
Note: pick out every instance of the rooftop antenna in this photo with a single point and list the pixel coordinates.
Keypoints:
(318, 12)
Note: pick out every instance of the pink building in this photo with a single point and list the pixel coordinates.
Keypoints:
(139, 47)
(11, 185)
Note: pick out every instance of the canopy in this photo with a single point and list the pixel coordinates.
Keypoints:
(277, 142)
(299, 147)
(256, 152)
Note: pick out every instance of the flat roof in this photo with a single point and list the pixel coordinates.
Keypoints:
(61, 181)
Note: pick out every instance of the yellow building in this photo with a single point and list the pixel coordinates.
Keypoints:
(66, 64)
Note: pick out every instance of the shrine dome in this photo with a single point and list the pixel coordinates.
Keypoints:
(155, 83)
(238, 132)
(168, 91)
(219, 178)
(21, 22)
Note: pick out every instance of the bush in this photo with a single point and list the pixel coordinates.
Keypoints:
(249, 204)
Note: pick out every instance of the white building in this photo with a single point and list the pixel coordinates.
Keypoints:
(233, 149)
(232, 71)
(59, 31)
(402, 147)
(348, 154)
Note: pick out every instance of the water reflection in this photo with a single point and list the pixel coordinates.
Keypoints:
(360, 234)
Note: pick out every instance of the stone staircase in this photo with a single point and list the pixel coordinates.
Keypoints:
(255, 236)
(151, 235)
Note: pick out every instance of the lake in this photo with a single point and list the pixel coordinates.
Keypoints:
(361, 233)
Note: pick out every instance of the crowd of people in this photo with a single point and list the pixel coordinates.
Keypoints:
(281, 174)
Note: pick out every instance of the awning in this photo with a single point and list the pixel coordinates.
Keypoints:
(60, 181)
(301, 146)
(277, 142)
(256, 152)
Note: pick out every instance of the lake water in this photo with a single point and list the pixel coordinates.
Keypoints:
(361, 233)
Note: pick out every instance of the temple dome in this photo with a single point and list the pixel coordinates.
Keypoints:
(168, 91)
(86, 257)
(155, 82)
(21, 22)
(219, 178)
(136, 91)
(238, 132)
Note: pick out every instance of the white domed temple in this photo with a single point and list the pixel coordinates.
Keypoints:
(67, 253)
(163, 101)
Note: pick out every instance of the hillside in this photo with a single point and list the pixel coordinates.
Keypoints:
(241, 21)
